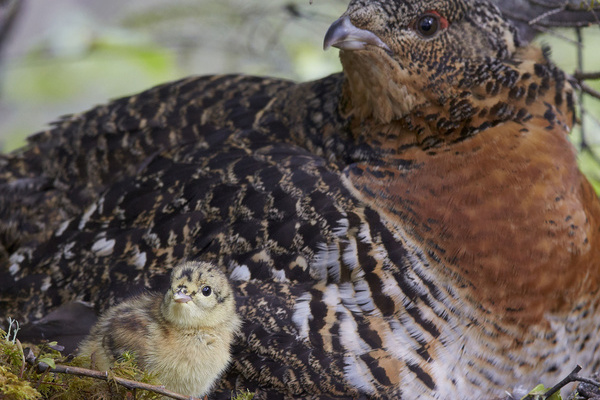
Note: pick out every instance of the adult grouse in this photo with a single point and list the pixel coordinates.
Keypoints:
(414, 227)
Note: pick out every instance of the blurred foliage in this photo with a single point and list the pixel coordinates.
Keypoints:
(84, 56)
(585, 136)
(88, 54)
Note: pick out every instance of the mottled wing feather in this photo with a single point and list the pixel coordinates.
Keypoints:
(267, 210)
(270, 359)
(64, 169)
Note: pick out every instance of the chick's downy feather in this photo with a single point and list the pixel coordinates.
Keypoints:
(183, 336)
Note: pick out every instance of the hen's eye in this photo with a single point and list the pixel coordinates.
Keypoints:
(427, 25)
(430, 23)
(206, 291)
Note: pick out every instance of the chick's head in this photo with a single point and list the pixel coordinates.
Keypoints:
(199, 296)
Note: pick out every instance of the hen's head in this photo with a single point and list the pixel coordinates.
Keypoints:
(399, 55)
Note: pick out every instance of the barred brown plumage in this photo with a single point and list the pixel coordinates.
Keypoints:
(415, 227)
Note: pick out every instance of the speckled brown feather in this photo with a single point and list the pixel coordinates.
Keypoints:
(64, 169)
(415, 227)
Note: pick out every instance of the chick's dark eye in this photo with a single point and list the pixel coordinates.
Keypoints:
(206, 291)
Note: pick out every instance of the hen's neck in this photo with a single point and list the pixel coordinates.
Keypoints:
(427, 113)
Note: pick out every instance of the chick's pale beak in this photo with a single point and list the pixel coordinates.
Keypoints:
(181, 297)
(345, 36)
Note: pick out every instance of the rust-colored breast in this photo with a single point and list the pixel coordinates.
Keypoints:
(506, 213)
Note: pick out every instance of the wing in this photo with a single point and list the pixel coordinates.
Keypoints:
(63, 170)
(243, 191)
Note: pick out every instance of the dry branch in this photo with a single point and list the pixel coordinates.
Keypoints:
(572, 377)
(589, 90)
(583, 76)
(127, 383)
(533, 16)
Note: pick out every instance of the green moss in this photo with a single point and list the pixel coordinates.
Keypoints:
(71, 387)
(18, 381)
(13, 388)
(243, 396)
(11, 363)
(11, 354)
(538, 393)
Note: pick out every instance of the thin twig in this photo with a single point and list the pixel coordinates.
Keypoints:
(548, 23)
(587, 89)
(546, 14)
(567, 5)
(589, 381)
(44, 374)
(584, 145)
(127, 383)
(10, 9)
(544, 29)
(20, 347)
(570, 378)
(543, 3)
(583, 76)
(596, 121)
(590, 7)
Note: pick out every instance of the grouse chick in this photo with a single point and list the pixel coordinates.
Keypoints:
(183, 336)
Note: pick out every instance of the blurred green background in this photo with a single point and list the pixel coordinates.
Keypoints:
(64, 56)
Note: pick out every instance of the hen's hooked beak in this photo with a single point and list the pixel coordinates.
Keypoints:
(345, 36)
(181, 297)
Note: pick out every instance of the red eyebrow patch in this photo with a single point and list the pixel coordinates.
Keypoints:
(443, 21)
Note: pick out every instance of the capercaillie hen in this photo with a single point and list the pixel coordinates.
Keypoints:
(413, 227)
